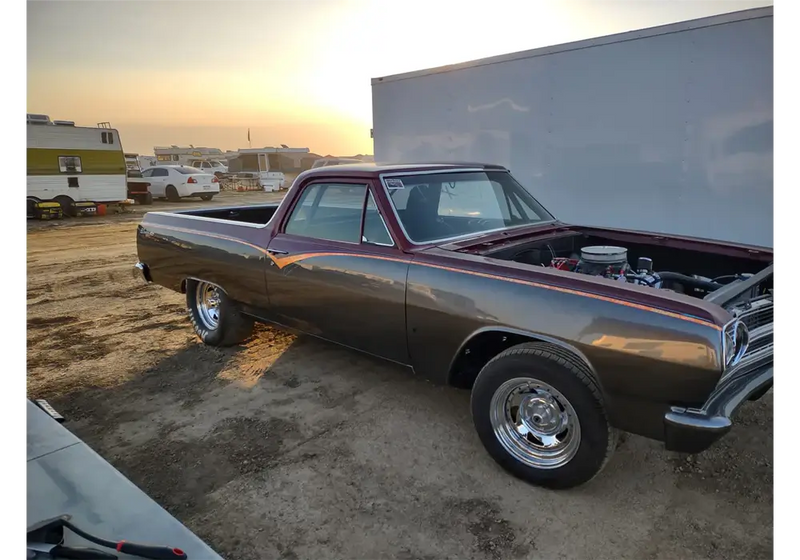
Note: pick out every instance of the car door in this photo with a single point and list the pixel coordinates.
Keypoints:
(335, 271)
(158, 181)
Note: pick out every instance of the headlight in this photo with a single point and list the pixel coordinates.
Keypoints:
(735, 340)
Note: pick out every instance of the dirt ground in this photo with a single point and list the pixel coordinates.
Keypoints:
(289, 447)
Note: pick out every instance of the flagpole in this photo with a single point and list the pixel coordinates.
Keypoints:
(249, 143)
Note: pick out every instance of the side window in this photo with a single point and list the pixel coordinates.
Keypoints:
(375, 230)
(69, 164)
(196, 163)
(107, 137)
(147, 172)
(330, 212)
(160, 173)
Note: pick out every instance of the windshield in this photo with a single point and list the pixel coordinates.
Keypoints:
(189, 170)
(434, 207)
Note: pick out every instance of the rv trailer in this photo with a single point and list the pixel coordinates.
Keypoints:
(71, 164)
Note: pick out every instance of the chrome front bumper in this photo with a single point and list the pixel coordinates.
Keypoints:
(141, 272)
(692, 430)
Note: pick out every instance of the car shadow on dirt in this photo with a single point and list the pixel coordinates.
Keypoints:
(244, 444)
(203, 416)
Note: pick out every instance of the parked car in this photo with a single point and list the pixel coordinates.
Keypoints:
(213, 167)
(565, 334)
(174, 182)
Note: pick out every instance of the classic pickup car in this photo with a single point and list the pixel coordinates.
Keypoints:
(566, 335)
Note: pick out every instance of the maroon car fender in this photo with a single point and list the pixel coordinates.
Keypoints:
(511, 337)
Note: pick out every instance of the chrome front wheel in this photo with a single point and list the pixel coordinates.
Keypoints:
(541, 416)
(535, 423)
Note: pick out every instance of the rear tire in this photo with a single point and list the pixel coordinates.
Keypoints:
(215, 317)
(206, 197)
(172, 194)
(145, 199)
(31, 203)
(67, 205)
(540, 415)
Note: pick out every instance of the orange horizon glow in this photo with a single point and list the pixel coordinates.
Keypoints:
(295, 72)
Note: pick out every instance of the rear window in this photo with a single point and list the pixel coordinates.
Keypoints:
(189, 171)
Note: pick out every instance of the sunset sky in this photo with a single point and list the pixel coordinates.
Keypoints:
(295, 72)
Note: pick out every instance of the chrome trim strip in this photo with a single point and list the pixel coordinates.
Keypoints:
(748, 362)
(734, 324)
(214, 220)
(761, 332)
(371, 197)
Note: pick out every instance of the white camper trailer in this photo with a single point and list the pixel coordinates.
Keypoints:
(210, 160)
(264, 164)
(69, 164)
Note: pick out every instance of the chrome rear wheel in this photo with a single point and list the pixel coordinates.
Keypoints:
(208, 300)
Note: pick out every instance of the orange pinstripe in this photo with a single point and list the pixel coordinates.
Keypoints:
(285, 261)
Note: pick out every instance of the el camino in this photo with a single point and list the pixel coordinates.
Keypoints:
(565, 334)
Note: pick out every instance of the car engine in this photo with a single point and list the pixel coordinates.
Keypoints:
(612, 262)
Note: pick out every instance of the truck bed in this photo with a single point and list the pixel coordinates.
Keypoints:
(257, 214)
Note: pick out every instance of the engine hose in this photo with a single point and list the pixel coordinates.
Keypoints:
(689, 281)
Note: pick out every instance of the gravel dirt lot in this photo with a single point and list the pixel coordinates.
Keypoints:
(289, 447)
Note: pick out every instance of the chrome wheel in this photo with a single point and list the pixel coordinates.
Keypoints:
(208, 299)
(535, 423)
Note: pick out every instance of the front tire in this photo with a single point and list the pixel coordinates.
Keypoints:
(540, 415)
(215, 317)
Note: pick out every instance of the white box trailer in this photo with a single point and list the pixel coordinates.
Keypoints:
(68, 163)
(667, 129)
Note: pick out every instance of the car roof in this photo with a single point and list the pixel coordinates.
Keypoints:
(377, 169)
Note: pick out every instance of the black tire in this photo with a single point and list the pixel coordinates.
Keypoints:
(67, 205)
(31, 203)
(206, 197)
(571, 378)
(172, 194)
(146, 199)
(232, 326)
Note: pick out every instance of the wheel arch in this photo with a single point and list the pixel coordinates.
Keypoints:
(487, 342)
(187, 279)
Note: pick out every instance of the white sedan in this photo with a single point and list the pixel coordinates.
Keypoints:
(174, 182)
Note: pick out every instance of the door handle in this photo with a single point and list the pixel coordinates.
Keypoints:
(277, 252)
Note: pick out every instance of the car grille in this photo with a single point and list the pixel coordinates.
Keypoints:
(758, 317)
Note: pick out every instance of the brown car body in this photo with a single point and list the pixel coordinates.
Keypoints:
(444, 309)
